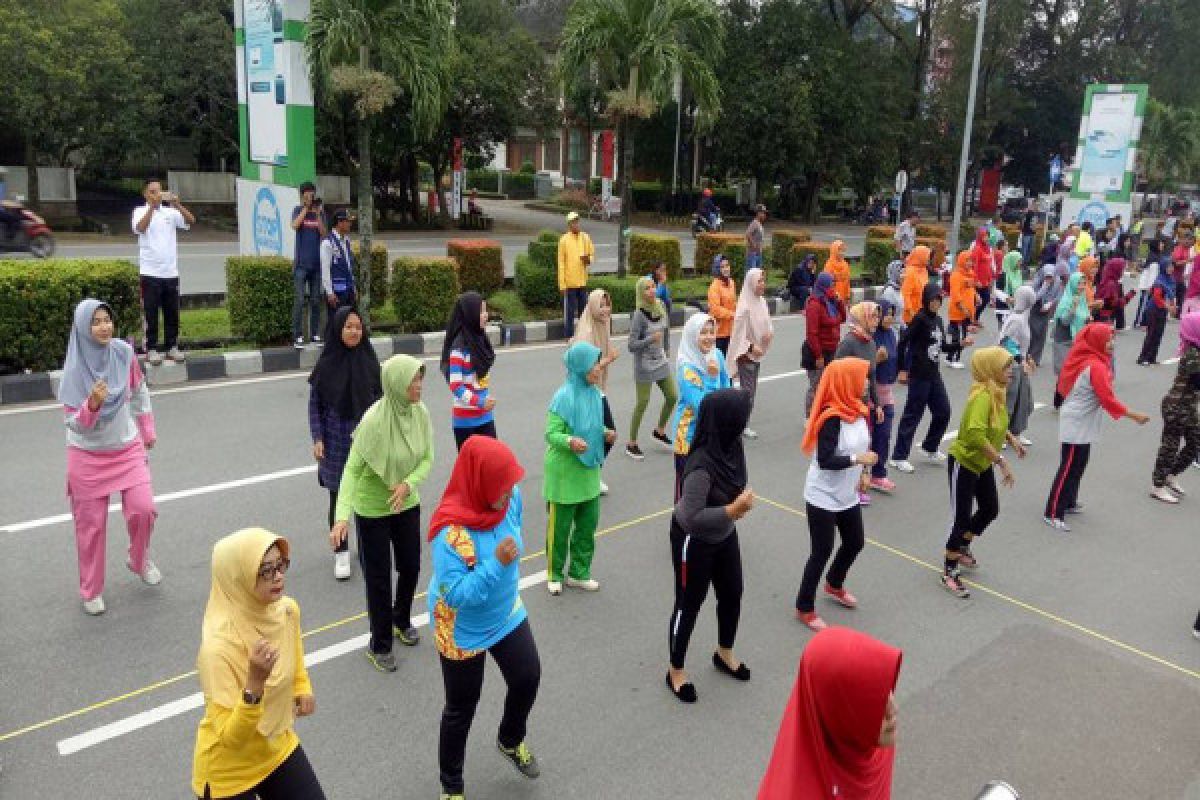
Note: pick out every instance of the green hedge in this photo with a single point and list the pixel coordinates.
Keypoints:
(782, 242)
(485, 180)
(537, 285)
(379, 272)
(647, 249)
(877, 254)
(622, 291)
(424, 291)
(258, 294)
(518, 185)
(39, 299)
(709, 244)
(480, 264)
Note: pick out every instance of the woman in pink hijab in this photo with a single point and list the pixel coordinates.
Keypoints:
(752, 334)
(1191, 299)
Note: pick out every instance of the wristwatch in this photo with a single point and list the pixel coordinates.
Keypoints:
(249, 698)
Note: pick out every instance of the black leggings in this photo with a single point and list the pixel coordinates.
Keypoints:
(974, 504)
(294, 779)
(1064, 492)
(333, 496)
(1156, 324)
(697, 565)
(462, 434)
(957, 332)
(821, 527)
(517, 657)
(379, 540)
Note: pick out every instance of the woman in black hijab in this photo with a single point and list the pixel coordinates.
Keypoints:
(345, 382)
(467, 358)
(704, 541)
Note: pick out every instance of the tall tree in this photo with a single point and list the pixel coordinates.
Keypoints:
(631, 51)
(372, 51)
(1170, 145)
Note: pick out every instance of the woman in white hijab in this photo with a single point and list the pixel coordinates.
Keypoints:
(752, 335)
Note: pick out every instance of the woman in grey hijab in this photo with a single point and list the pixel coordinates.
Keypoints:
(110, 427)
(1048, 285)
(1015, 336)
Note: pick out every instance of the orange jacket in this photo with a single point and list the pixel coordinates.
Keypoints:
(722, 305)
(839, 268)
(962, 290)
(916, 276)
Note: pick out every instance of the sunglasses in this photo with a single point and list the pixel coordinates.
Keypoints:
(267, 571)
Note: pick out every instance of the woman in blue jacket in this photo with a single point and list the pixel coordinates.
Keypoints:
(699, 370)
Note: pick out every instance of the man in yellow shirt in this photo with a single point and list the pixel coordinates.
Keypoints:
(1085, 245)
(575, 256)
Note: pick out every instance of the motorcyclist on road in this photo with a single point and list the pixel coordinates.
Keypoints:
(708, 209)
(11, 218)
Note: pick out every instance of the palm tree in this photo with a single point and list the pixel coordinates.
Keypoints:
(631, 51)
(374, 51)
(1170, 144)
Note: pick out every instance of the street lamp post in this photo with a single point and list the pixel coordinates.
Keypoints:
(966, 141)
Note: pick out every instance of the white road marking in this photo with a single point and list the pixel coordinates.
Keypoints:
(183, 705)
(169, 496)
(953, 433)
(1173, 360)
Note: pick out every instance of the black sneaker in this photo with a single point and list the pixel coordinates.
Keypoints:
(522, 758)
(662, 437)
(406, 636)
(634, 452)
(384, 662)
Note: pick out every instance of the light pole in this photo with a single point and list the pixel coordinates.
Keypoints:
(966, 142)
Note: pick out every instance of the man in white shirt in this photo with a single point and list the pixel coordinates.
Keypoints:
(905, 237)
(155, 225)
(337, 264)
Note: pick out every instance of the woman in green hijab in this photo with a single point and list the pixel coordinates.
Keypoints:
(1070, 317)
(391, 455)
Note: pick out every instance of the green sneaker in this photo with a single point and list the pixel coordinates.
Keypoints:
(522, 758)
(384, 662)
(406, 636)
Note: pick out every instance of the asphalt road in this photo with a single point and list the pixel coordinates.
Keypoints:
(202, 263)
(1070, 672)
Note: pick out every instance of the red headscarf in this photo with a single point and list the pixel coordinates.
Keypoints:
(1109, 287)
(981, 259)
(827, 748)
(486, 468)
(1089, 350)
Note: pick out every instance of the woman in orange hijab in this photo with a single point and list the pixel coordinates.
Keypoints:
(838, 433)
(838, 735)
(839, 268)
(916, 275)
(962, 306)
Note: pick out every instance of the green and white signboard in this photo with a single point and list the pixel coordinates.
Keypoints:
(1104, 170)
(275, 121)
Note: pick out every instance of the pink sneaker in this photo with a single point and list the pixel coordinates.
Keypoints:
(885, 485)
(843, 597)
(864, 499)
(810, 618)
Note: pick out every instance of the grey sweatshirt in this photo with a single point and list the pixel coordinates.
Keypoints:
(649, 357)
(851, 345)
(709, 524)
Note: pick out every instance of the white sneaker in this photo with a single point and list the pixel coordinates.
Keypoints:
(589, 585)
(176, 355)
(1196, 632)
(554, 588)
(937, 456)
(299, 343)
(955, 365)
(1025, 441)
(1173, 485)
(154, 358)
(1165, 495)
(95, 606)
(341, 565)
(902, 466)
(603, 488)
(749, 433)
(150, 574)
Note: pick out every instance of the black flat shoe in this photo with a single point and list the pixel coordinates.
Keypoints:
(742, 673)
(686, 693)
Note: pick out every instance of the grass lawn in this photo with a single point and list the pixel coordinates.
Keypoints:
(204, 324)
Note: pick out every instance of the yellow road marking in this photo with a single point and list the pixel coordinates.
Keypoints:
(1021, 604)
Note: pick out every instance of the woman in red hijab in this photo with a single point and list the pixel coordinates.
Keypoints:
(476, 606)
(838, 734)
(984, 266)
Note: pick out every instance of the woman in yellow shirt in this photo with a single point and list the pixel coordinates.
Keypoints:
(251, 666)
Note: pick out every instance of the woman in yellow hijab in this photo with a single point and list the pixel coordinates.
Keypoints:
(974, 457)
(251, 667)
(839, 268)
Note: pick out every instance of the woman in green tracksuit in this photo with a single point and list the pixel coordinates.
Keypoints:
(575, 439)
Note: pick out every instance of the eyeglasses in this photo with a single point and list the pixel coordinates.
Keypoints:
(267, 571)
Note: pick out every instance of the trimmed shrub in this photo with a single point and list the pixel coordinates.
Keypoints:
(258, 294)
(480, 264)
(543, 250)
(881, 231)
(818, 249)
(39, 304)
(782, 241)
(424, 291)
(537, 284)
(379, 272)
(485, 180)
(518, 185)
(933, 230)
(708, 245)
(621, 290)
(647, 249)
(877, 254)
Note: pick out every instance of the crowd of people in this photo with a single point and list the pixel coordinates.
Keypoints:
(372, 437)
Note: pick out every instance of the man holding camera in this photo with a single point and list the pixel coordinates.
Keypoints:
(337, 264)
(158, 266)
(308, 221)
(575, 255)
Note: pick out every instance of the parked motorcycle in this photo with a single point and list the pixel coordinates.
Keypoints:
(701, 225)
(34, 236)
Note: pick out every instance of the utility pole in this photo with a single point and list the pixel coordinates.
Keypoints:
(964, 156)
